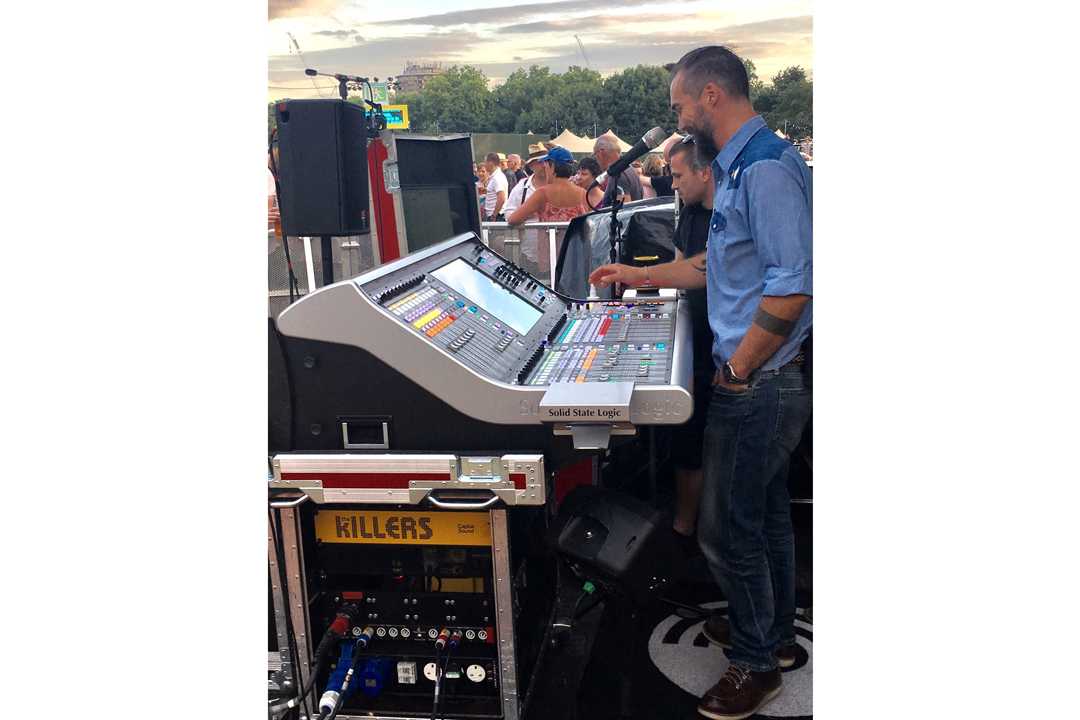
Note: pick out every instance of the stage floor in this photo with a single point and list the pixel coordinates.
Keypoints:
(681, 664)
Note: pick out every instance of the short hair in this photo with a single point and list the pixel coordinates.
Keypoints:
(589, 163)
(604, 142)
(492, 157)
(693, 154)
(713, 63)
(563, 169)
(652, 165)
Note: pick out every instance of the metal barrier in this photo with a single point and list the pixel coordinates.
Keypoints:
(533, 246)
(351, 256)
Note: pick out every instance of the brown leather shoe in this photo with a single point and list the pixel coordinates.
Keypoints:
(740, 693)
(718, 632)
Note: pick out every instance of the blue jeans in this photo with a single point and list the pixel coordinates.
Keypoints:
(744, 525)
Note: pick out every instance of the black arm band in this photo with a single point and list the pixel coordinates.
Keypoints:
(772, 324)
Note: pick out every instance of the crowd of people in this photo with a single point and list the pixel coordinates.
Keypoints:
(549, 185)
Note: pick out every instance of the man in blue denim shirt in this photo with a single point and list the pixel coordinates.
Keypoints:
(758, 272)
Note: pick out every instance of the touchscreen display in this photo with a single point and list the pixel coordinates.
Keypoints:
(484, 292)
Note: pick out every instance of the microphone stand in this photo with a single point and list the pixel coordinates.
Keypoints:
(615, 238)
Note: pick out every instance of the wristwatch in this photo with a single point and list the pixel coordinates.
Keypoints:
(731, 378)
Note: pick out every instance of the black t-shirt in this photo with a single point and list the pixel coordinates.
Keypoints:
(691, 238)
(662, 186)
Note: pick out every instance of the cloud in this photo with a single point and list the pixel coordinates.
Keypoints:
(339, 34)
(377, 58)
(611, 44)
(587, 24)
(300, 8)
(510, 13)
(765, 43)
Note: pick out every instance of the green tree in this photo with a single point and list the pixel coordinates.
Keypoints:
(638, 99)
(514, 100)
(571, 101)
(788, 103)
(456, 101)
(756, 85)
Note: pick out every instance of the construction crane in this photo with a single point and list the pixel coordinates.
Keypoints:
(590, 68)
(303, 62)
(583, 52)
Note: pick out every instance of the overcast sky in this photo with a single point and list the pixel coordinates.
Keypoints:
(376, 38)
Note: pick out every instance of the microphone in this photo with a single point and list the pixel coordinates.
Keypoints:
(647, 142)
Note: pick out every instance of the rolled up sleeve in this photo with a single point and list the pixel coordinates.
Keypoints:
(780, 222)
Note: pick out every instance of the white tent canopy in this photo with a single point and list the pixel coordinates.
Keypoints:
(572, 142)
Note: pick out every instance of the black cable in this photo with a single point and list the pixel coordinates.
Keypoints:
(294, 284)
(290, 634)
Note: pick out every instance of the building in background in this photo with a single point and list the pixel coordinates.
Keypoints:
(417, 73)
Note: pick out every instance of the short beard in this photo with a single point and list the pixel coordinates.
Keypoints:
(704, 141)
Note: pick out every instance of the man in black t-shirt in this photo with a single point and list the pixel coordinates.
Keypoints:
(691, 175)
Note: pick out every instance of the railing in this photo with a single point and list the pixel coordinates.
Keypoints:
(533, 246)
(351, 256)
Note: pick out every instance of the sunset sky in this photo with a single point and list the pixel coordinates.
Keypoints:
(375, 38)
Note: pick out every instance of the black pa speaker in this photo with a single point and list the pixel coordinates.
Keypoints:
(615, 540)
(322, 168)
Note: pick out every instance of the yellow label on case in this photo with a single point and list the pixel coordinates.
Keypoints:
(389, 527)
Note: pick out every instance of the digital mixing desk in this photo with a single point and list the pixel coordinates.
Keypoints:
(457, 335)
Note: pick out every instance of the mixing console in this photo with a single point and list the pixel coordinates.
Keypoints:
(490, 340)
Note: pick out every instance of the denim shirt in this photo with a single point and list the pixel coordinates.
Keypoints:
(760, 237)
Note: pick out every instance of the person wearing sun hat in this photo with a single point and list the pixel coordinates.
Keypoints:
(559, 200)
(537, 179)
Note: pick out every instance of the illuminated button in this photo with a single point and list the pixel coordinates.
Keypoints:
(660, 346)
(472, 308)
(460, 304)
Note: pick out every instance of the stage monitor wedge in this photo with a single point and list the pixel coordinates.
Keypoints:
(322, 168)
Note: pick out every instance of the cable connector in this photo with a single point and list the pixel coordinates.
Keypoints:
(440, 641)
(455, 639)
(335, 685)
(364, 638)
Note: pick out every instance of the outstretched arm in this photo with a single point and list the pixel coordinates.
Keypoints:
(686, 274)
(531, 206)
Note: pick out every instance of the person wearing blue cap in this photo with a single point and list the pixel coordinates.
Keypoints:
(558, 201)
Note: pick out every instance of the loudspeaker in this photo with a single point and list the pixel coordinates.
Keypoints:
(615, 540)
(322, 167)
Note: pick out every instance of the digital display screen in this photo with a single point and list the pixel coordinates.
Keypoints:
(482, 290)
